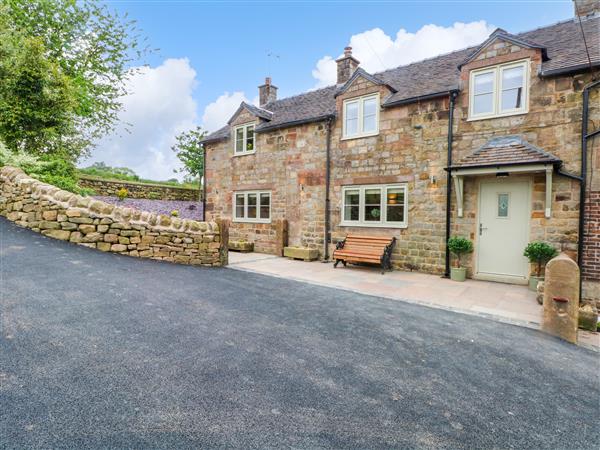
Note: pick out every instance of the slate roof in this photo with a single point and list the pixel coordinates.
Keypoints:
(504, 151)
(258, 112)
(563, 44)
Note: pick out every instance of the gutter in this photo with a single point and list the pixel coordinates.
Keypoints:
(406, 101)
(326, 238)
(294, 123)
(453, 95)
(203, 181)
(568, 70)
(500, 165)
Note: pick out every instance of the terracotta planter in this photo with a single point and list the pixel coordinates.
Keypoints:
(458, 273)
(533, 282)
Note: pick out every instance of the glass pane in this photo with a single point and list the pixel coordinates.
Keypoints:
(511, 99)
(239, 206)
(351, 202)
(369, 123)
(239, 140)
(251, 206)
(370, 107)
(502, 205)
(250, 138)
(351, 117)
(484, 83)
(483, 104)
(395, 205)
(512, 78)
(373, 205)
(265, 206)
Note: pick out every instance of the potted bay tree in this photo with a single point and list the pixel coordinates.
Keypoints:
(459, 246)
(538, 253)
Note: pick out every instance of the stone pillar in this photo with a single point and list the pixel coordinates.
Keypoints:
(281, 236)
(561, 298)
(224, 248)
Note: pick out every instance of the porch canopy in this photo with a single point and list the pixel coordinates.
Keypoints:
(502, 156)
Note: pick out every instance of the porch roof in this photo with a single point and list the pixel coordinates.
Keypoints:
(506, 151)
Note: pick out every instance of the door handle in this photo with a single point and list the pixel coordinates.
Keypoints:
(481, 228)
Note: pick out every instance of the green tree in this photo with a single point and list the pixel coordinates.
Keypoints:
(190, 152)
(92, 48)
(36, 98)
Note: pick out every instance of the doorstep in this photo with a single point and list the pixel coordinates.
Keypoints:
(506, 303)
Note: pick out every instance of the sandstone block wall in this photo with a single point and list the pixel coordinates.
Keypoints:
(62, 215)
(139, 190)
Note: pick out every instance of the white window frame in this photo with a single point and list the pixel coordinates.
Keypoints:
(235, 218)
(245, 127)
(497, 93)
(361, 101)
(382, 223)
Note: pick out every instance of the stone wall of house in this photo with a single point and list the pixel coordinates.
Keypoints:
(62, 215)
(139, 190)
(290, 163)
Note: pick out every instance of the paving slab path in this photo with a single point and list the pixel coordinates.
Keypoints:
(104, 351)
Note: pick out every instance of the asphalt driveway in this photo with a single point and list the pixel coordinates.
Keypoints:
(100, 350)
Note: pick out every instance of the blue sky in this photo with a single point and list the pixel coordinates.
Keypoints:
(218, 49)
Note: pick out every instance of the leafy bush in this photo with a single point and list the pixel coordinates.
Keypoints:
(122, 194)
(539, 253)
(153, 196)
(174, 213)
(22, 160)
(459, 246)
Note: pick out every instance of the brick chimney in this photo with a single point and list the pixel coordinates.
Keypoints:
(586, 8)
(346, 65)
(267, 92)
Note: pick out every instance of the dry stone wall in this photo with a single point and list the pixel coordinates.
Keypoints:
(69, 217)
(139, 190)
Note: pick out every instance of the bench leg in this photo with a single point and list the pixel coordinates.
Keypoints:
(344, 263)
(336, 263)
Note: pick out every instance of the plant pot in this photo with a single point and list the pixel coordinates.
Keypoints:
(533, 282)
(458, 273)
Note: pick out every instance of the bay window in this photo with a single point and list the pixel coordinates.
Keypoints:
(361, 116)
(499, 91)
(375, 206)
(252, 206)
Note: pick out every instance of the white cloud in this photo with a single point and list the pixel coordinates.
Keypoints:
(377, 51)
(158, 107)
(217, 113)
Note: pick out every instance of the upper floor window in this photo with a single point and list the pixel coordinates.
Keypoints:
(375, 206)
(361, 116)
(244, 139)
(499, 91)
(252, 206)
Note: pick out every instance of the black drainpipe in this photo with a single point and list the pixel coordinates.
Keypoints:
(327, 183)
(583, 182)
(203, 181)
(453, 95)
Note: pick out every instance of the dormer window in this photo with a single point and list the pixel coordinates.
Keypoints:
(361, 116)
(244, 139)
(499, 91)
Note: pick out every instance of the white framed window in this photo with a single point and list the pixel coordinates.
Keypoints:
(252, 206)
(361, 116)
(375, 206)
(499, 91)
(244, 139)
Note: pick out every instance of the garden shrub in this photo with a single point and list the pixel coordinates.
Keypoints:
(459, 246)
(539, 253)
(122, 194)
(174, 213)
(153, 196)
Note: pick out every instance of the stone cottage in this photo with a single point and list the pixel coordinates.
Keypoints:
(484, 142)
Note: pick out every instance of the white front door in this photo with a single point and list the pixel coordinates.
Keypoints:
(503, 230)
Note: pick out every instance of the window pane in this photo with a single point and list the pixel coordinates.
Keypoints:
(372, 205)
(239, 206)
(395, 205)
(484, 83)
(251, 206)
(512, 78)
(511, 99)
(351, 117)
(265, 206)
(250, 138)
(239, 140)
(502, 205)
(483, 103)
(369, 115)
(351, 205)
(369, 123)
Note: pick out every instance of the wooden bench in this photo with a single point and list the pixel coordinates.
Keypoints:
(365, 249)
